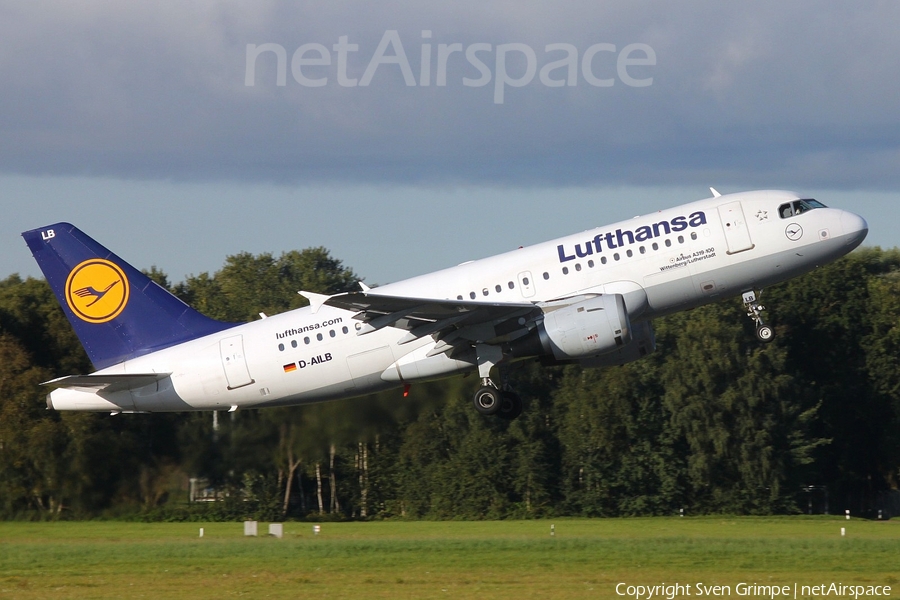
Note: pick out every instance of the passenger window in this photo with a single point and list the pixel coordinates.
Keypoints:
(602, 260)
(591, 264)
(293, 343)
(668, 243)
(616, 256)
(578, 266)
(472, 295)
(693, 235)
(546, 275)
(332, 333)
(565, 270)
(655, 246)
(524, 281)
(281, 347)
(680, 239)
(498, 288)
(459, 297)
(319, 336)
(306, 340)
(484, 292)
(345, 330)
(629, 253)
(643, 250)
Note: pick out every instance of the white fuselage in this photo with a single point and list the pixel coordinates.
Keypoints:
(661, 263)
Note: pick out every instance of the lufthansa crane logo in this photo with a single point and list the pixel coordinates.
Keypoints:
(793, 232)
(97, 290)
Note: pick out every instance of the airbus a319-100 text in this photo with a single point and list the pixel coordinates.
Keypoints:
(588, 298)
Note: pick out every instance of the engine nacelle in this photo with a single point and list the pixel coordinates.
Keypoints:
(643, 342)
(588, 328)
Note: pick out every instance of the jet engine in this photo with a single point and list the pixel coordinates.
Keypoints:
(584, 329)
(643, 342)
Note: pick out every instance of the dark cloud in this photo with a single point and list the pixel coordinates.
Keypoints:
(754, 94)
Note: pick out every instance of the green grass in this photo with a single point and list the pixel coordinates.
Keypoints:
(508, 559)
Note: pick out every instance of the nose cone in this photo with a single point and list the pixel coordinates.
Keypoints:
(855, 228)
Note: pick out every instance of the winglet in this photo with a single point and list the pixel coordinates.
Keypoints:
(715, 192)
(363, 286)
(315, 300)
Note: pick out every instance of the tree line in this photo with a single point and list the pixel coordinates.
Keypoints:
(712, 422)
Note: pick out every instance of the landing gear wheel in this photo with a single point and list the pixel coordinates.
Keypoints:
(488, 400)
(764, 333)
(510, 407)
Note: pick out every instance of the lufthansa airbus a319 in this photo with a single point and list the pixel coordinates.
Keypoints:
(588, 298)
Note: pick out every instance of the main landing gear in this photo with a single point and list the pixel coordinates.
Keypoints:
(764, 333)
(489, 399)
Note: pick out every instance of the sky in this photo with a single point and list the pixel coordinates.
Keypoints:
(406, 136)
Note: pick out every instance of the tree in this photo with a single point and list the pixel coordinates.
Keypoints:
(248, 285)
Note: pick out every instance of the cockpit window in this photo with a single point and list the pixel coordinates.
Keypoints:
(798, 207)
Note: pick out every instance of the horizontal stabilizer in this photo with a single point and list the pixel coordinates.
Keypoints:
(108, 383)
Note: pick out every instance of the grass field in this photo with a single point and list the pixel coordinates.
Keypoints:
(507, 559)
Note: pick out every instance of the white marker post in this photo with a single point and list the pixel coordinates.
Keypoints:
(843, 531)
(847, 512)
(201, 532)
(552, 530)
(317, 529)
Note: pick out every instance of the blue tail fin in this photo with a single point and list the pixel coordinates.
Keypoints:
(118, 313)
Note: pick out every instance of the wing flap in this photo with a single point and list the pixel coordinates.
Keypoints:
(427, 316)
(424, 309)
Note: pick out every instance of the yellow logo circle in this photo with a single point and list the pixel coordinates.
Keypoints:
(97, 290)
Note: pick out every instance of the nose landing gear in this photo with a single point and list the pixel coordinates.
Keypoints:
(764, 333)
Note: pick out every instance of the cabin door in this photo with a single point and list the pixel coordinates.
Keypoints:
(737, 235)
(234, 362)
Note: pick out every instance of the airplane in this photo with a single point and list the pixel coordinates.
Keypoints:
(587, 298)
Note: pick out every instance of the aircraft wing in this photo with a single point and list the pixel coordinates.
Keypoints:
(450, 319)
(107, 383)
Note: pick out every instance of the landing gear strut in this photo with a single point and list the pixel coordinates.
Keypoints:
(764, 333)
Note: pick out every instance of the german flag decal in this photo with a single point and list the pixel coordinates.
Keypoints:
(290, 367)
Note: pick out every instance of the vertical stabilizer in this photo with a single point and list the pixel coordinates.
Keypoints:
(117, 312)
